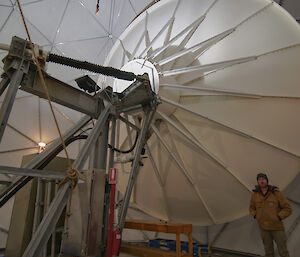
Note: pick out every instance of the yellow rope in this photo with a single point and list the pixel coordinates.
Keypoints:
(72, 174)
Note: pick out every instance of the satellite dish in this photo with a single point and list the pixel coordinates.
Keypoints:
(229, 85)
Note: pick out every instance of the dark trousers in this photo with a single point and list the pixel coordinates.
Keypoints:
(269, 236)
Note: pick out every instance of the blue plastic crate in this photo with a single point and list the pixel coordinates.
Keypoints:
(167, 244)
(170, 245)
(197, 248)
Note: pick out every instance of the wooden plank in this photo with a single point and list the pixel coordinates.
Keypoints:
(190, 235)
(158, 227)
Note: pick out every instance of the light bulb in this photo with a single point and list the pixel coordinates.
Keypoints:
(42, 144)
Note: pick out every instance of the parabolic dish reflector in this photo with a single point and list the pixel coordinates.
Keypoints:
(229, 85)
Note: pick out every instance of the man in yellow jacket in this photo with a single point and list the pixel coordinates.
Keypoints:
(269, 207)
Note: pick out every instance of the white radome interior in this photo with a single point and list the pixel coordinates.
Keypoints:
(244, 113)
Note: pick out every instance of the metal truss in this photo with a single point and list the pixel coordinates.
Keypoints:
(20, 70)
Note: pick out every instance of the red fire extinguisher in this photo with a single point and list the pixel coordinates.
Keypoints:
(116, 242)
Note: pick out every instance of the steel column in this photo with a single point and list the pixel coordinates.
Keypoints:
(84, 152)
(99, 160)
(135, 167)
(98, 156)
(37, 207)
(110, 165)
(3, 84)
(53, 237)
(9, 99)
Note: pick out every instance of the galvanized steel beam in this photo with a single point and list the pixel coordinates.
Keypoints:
(47, 225)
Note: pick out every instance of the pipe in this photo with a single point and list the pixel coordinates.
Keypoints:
(4, 47)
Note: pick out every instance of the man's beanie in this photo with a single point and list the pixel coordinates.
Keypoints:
(262, 175)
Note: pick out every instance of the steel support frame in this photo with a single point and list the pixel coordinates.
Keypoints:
(148, 116)
(20, 70)
(62, 93)
(129, 123)
(98, 160)
(47, 175)
(107, 200)
(10, 96)
(48, 223)
(99, 154)
(5, 181)
(3, 84)
(14, 70)
(41, 158)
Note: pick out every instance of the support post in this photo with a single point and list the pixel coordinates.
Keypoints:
(135, 167)
(190, 235)
(99, 160)
(3, 85)
(99, 155)
(110, 229)
(10, 98)
(107, 200)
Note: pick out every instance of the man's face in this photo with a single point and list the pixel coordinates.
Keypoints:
(262, 182)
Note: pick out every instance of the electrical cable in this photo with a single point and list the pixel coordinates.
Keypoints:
(22, 183)
(84, 131)
(127, 151)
